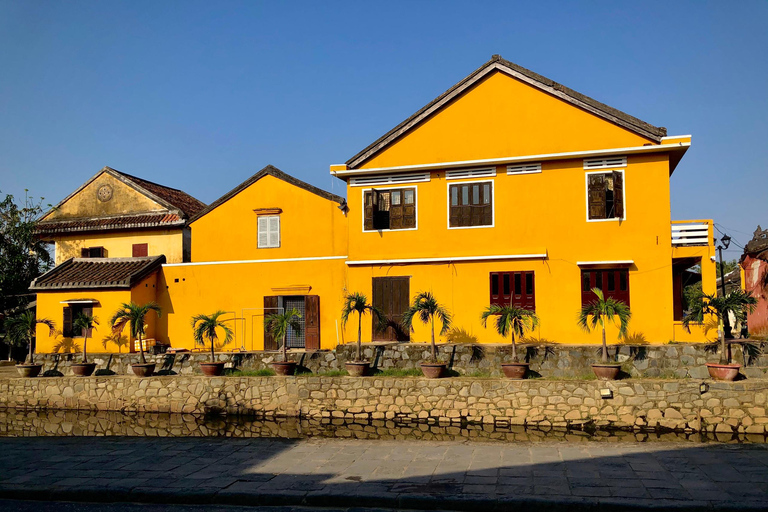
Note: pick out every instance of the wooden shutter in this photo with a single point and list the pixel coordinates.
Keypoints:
(368, 201)
(274, 230)
(465, 212)
(486, 196)
(618, 194)
(87, 311)
(596, 194)
(396, 209)
(140, 250)
(263, 232)
(391, 295)
(85, 252)
(312, 322)
(409, 208)
(270, 307)
(454, 209)
(67, 322)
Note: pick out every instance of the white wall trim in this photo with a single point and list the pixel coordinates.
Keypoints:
(449, 259)
(654, 148)
(448, 203)
(532, 168)
(235, 262)
(605, 262)
(674, 137)
(385, 187)
(623, 194)
(478, 173)
(385, 181)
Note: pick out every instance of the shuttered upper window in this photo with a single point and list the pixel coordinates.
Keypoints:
(470, 204)
(269, 231)
(389, 209)
(605, 195)
(513, 288)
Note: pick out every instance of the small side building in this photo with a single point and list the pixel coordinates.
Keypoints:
(754, 265)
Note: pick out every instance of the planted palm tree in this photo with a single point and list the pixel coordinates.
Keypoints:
(84, 323)
(206, 327)
(597, 312)
(358, 303)
(277, 325)
(738, 303)
(134, 314)
(426, 308)
(21, 330)
(513, 321)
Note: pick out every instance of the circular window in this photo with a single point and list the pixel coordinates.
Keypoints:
(104, 193)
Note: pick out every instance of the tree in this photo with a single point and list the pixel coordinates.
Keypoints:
(738, 302)
(277, 324)
(601, 309)
(512, 321)
(134, 314)
(84, 323)
(21, 329)
(426, 308)
(23, 256)
(358, 303)
(204, 327)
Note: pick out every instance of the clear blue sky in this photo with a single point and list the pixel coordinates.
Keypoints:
(200, 95)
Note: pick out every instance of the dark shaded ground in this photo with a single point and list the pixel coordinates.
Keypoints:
(390, 474)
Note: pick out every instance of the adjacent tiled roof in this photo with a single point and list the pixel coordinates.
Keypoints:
(89, 273)
(534, 79)
(277, 173)
(110, 223)
(178, 198)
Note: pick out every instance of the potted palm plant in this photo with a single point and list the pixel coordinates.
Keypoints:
(204, 328)
(358, 303)
(20, 330)
(597, 312)
(134, 314)
(277, 325)
(739, 303)
(84, 323)
(512, 321)
(426, 308)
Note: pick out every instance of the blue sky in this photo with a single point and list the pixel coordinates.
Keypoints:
(200, 95)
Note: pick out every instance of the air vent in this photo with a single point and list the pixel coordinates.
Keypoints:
(523, 169)
(390, 179)
(605, 163)
(470, 173)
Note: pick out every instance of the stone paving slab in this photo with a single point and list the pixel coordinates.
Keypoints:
(395, 475)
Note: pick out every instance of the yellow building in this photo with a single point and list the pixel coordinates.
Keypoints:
(508, 188)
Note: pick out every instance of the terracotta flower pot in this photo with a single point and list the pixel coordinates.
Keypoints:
(83, 369)
(284, 367)
(29, 370)
(212, 369)
(726, 372)
(515, 370)
(433, 370)
(357, 368)
(606, 371)
(143, 370)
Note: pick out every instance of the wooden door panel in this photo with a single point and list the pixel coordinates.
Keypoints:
(391, 295)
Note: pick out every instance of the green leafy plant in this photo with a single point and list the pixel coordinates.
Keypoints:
(277, 325)
(399, 372)
(426, 308)
(84, 323)
(204, 327)
(358, 303)
(21, 330)
(738, 302)
(134, 314)
(510, 321)
(600, 310)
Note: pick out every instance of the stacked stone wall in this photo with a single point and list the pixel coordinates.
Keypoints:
(634, 404)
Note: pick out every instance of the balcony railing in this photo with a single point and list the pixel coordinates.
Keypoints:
(691, 232)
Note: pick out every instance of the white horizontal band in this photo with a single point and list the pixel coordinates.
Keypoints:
(449, 259)
(235, 262)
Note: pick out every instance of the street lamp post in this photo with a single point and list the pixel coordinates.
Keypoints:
(725, 241)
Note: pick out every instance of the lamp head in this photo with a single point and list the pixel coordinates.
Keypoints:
(726, 241)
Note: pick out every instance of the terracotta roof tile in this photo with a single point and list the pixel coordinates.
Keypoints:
(85, 273)
(110, 223)
(178, 198)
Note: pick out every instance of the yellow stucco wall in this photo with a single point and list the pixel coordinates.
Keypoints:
(310, 226)
(84, 204)
(120, 245)
(503, 117)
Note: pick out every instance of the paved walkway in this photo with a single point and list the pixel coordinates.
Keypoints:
(408, 474)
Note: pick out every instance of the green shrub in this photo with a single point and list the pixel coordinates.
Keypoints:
(264, 372)
(399, 372)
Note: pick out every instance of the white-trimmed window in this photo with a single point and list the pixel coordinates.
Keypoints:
(605, 195)
(269, 231)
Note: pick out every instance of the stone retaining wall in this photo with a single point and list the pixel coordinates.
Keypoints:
(560, 361)
(638, 404)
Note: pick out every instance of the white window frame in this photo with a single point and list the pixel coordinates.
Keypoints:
(415, 204)
(448, 203)
(279, 227)
(529, 168)
(468, 174)
(623, 195)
